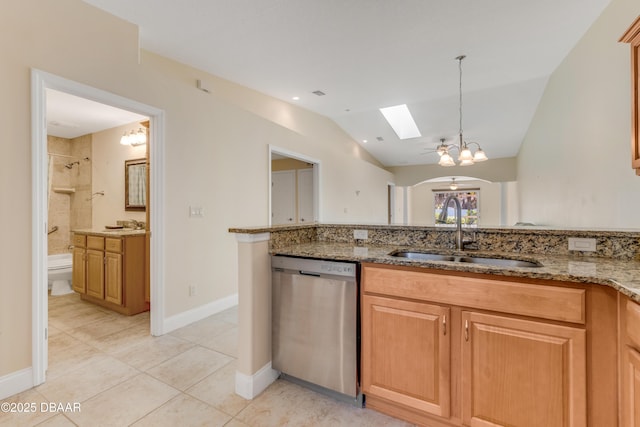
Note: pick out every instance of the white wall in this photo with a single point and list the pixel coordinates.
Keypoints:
(574, 166)
(107, 169)
(216, 154)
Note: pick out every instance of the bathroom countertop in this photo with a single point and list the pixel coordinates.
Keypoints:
(119, 232)
(622, 275)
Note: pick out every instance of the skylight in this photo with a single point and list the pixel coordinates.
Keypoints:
(401, 121)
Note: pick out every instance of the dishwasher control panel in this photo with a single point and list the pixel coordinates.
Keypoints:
(316, 266)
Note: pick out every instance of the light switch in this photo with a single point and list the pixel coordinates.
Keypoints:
(196, 211)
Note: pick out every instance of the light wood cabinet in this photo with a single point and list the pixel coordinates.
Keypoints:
(442, 348)
(522, 373)
(78, 278)
(407, 353)
(632, 36)
(629, 362)
(112, 271)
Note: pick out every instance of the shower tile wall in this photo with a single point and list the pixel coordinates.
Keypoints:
(69, 211)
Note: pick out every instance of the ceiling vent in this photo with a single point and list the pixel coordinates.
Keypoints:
(379, 138)
(318, 92)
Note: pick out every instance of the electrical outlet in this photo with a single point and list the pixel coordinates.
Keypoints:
(582, 244)
(196, 211)
(192, 290)
(360, 234)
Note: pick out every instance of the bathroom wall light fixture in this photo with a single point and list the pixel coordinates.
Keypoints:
(134, 138)
(465, 156)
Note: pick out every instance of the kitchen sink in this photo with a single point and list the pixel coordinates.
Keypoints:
(497, 262)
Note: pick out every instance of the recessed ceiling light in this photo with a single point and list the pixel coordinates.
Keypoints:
(364, 140)
(401, 121)
(295, 98)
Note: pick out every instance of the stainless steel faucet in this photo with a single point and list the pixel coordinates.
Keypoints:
(443, 219)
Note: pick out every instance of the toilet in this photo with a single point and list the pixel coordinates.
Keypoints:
(59, 273)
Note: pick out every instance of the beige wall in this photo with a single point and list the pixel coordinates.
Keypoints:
(574, 167)
(108, 175)
(216, 154)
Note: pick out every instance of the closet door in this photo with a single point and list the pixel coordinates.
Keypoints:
(283, 197)
(305, 195)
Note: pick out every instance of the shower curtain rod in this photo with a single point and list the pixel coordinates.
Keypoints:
(62, 155)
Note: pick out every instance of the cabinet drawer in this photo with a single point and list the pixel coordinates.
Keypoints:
(95, 242)
(79, 240)
(633, 323)
(113, 245)
(527, 299)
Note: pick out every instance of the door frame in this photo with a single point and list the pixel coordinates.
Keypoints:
(317, 186)
(40, 82)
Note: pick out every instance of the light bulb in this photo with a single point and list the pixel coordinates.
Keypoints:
(465, 155)
(466, 162)
(125, 139)
(446, 160)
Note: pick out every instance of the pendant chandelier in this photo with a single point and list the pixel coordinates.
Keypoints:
(465, 156)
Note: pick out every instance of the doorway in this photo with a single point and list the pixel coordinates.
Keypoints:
(40, 82)
(294, 188)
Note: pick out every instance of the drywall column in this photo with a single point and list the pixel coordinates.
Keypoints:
(254, 372)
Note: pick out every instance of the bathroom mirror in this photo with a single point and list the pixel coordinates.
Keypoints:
(135, 185)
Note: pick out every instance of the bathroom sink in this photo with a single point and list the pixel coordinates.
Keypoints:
(497, 262)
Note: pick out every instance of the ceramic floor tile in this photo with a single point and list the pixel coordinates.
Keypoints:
(149, 353)
(101, 328)
(203, 329)
(67, 353)
(235, 423)
(186, 369)
(230, 315)
(218, 390)
(57, 421)
(225, 342)
(120, 340)
(22, 416)
(287, 404)
(87, 381)
(125, 403)
(184, 411)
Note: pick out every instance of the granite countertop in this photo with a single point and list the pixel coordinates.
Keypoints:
(622, 275)
(118, 232)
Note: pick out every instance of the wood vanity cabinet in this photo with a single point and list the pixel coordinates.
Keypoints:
(632, 36)
(111, 272)
(449, 349)
(78, 277)
(629, 362)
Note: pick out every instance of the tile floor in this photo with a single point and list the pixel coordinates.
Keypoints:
(122, 376)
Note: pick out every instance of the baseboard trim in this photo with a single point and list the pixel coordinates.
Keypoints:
(16, 382)
(249, 386)
(185, 318)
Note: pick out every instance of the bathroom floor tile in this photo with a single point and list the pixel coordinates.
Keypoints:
(184, 411)
(186, 369)
(122, 339)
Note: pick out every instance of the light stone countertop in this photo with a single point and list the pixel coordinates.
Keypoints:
(118, 232)
(622, 275)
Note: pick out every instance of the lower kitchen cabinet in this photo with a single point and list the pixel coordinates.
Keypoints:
(407, 353)
(630, 362)
(446, 349)
(522, 373)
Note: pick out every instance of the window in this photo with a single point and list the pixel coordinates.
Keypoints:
(468, 202)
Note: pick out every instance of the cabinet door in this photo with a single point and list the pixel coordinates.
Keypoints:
(631, 389)
(522, 373)
(405, 353)
(95, 273)
(113, 277)
(78, 277)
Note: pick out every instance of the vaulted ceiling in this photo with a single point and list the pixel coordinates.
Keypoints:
(368, 54)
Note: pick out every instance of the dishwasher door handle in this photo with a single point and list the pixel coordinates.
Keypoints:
(308, 273)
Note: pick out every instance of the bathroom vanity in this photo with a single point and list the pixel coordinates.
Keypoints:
(109, 269)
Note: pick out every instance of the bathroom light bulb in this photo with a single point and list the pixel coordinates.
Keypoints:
(125, 139)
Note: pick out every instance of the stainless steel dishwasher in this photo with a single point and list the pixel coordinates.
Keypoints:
(315, 324)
